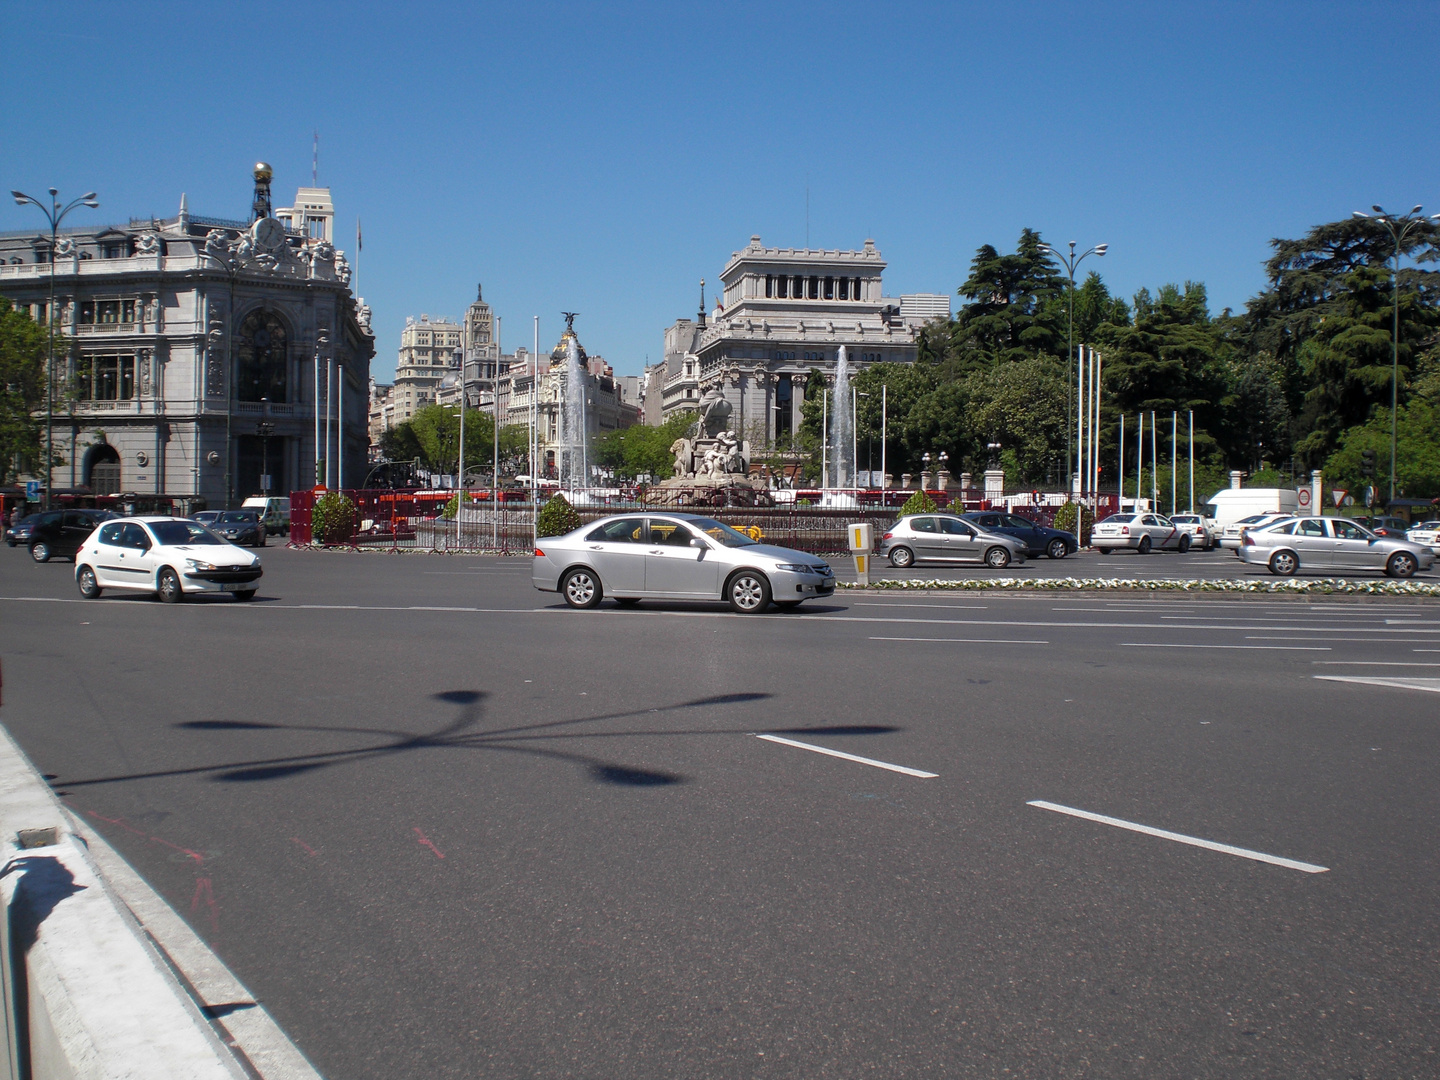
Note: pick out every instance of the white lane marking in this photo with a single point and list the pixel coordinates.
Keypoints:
(1412, 621)
(1180, 838)
(947, 607)
(1431, 685)
(967, 640)
(1337, 640)
(850, 757)
(1277, 648)
(1377, 663)
(1425, 650)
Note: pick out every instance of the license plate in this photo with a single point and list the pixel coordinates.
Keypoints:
(236, 586)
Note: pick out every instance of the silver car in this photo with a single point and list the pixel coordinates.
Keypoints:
(1143, 532)
(947, 538)
(1331, 543)
(636, 556)
(1426, 534)
(1198, 526)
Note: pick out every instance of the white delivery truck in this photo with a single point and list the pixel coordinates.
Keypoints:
(1232, 508)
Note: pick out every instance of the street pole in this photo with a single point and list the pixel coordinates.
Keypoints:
(55, 215)
(1399, 229)
(1080, 431)
(1154, 466)
(322, 338)
(340, 426)
(824, 440)
(884, 485)
(1070, 262)
(1190, 427)
(1120, 472)
(1174, 455)
(495, 470)
(1139, 460)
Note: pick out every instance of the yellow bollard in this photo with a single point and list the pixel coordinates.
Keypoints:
(862, 539)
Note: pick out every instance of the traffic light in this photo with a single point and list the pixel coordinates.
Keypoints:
(1367, 463)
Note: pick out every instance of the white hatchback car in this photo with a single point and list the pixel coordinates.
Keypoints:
(167, 556)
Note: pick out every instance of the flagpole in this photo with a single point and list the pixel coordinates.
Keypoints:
(1174, 454)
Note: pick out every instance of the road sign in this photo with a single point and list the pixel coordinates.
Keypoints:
(32, 490)
(1304, 496)
(1338, 494)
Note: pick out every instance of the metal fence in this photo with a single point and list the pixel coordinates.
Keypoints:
(416, 521)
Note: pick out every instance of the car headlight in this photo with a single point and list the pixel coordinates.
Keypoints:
(199, 564)
(794, 567)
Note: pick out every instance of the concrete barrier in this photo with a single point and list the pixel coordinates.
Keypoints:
(86, 994)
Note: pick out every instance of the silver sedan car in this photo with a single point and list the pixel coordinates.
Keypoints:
(666, 556)
(947, 538)
(1331, 543)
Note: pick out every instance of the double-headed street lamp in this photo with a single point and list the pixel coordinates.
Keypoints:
(55, 215)
(1070, 261)
(1400, 228)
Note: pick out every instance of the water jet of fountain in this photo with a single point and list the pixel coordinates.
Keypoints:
(841, 429)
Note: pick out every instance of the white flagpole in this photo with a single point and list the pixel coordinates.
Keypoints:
(1191, 427)
(1154, 461)
(1120, 505)
(1080, 411)
(1174, 455)
(1095, 426)
(1139, 460)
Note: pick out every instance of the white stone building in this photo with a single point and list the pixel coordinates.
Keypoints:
(183, 335)
(429, 350)
(782, 313)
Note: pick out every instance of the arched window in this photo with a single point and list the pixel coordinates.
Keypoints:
(261, 358)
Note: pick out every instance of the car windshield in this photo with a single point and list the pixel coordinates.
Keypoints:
(183, 532)
(239, 515)
(721, 533)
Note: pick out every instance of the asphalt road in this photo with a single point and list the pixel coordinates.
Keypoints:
(445, 827)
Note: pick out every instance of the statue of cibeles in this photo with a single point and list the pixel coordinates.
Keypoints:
(714, 412)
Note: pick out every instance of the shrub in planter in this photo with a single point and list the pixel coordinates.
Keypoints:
(919, 503)
(452, 508)
(332, 521)
(557, 518)
(1065, 521)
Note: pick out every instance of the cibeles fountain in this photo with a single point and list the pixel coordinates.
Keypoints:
(710, 459)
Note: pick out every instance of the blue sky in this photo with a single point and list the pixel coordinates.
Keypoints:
(603, 157)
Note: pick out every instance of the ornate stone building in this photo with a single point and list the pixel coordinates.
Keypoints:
(429, 350)
(782, 313)
(186, 333)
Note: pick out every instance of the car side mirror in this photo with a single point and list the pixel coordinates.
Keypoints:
(696, 542)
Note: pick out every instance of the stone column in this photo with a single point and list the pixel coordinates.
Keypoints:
(994, 484)
(1317, 492)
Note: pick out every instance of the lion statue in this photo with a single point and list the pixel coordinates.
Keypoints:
(683, 451)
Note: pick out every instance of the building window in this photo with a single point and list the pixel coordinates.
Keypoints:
(107, 378)
(262, 360)
(107, 312)
(797, 287)
(316, 228)
(784, 406)
(769, 285)
(829, 288)
(814, 293)
(113, 251)
(784, 286)
(844, 288)
(857, 289)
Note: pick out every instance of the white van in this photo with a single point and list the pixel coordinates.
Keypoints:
(274, 511)
(1236, 509)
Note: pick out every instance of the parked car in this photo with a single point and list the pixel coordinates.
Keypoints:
(1231, 534)
(1392, 527)
(947, 538)
(1038, 539)
(207, 517)
(1143, 532)
(638, 556)
(1426, 534)
(242, 527)
(274, 510)
(1200, 528)
(1331, 543)
(59, 533)
(172, 557)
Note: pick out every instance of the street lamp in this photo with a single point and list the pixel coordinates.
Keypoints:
(1070, 262)
(1399, 229)
(265, 429)
(55, 215)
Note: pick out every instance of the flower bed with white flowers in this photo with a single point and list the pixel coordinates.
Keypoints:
(1228, 585)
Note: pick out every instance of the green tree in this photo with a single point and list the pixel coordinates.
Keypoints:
(1021, 406)
(1417, 457)
(22, 391)
(557, 517)
(1016, 307)
(899, 388)
(640, 450)
(436, 429)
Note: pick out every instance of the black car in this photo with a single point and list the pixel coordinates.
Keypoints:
(59, 532)
(242, 527)
(1038, 540)
(19, 533)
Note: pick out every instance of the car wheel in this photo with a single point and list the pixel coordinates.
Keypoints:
(1184, 543)
(167, 585)
(748, 592)
(787, 605)
(89, 587)
(1103, 551)
(248, 594)
(628, 601)
(902, 557)
(581, 589)
(997, 558)
(1284, 564)
(261, 541)
(40, 551)
(1402, 564)
(1144, 548)
(1058, 549)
